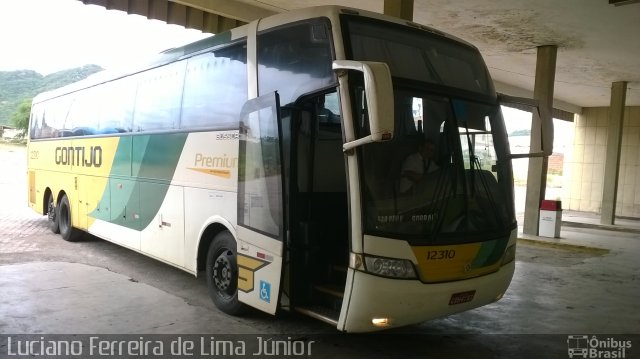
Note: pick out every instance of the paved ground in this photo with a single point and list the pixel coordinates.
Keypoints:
(49, 286)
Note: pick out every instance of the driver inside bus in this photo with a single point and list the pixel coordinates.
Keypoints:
(324, 114)
(417, 165)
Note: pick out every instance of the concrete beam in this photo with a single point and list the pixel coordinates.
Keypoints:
(195, 19)
(399, 8)
(612, 159)
(140, 7)
(122, 5)
(537, 174)
(215, 24)
(158, 10)
(229, 8)
(179, 12)
(102, 3)
(176, 14)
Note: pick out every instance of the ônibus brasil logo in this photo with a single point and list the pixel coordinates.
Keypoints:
(583, 346)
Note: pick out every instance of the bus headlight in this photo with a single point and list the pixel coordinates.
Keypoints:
(388, 267)
(380, 322)
(509, 254)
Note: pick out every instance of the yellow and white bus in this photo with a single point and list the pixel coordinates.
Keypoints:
(279, 158)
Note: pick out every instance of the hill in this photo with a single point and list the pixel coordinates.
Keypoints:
(17, 86)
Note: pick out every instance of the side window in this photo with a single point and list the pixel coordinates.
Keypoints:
(56, 116)
(215, 89)
(35, 124)
(116, 106)
(82, 120)
(158, 98)
(295, 60)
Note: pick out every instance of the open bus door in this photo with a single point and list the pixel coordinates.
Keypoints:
(260, 229)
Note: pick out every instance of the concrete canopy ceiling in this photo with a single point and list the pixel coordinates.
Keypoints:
(598, 43)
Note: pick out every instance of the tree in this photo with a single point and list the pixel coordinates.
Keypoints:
(16, 86)
(20, 118)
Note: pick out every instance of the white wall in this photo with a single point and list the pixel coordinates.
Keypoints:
(584, 166)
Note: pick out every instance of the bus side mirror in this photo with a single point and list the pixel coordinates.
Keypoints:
(533, 106)
(379, 93)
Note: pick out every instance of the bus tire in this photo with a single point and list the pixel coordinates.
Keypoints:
(222, 274)
(63, 214)
(52, 217)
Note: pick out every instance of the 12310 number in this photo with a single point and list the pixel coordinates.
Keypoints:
(443, 254)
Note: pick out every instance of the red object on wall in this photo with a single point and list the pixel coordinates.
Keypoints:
(549, 205)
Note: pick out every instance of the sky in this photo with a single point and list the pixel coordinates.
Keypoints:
(53, 35)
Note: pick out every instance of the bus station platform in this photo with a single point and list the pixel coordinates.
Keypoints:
(592, 220)
(576, 226)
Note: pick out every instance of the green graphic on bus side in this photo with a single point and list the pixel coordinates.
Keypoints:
(135, 200)
(489, 253)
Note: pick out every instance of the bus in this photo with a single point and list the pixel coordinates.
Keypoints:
(578, 345)
(274, 158)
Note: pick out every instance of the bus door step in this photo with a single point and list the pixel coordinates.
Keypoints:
(333, 290)
(324, 314)
(339, 268)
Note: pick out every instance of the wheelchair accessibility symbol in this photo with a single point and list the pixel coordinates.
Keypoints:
(265, 291)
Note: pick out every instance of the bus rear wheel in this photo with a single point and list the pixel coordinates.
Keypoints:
(63, 214)
(52, 218)
(222, 274)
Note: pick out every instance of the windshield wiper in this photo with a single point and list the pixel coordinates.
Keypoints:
(472, 158)
(475, 161)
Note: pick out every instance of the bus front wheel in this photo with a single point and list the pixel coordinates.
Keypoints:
(222, 274)
(63, 215)
(52, 218)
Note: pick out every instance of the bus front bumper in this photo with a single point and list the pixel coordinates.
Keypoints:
(394, 303)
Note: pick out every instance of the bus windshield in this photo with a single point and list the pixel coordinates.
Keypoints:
(418, 55)
(445, 177)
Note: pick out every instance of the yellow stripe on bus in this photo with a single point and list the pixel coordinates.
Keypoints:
(446, 263)
(80, 167)
(219, 173)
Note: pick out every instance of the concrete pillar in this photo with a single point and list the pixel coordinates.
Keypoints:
(612, 162)
(399, 8)
(537, 175)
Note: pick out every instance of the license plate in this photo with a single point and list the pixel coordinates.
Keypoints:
(459, 298)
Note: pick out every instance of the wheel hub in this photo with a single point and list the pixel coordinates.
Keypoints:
(222, 273)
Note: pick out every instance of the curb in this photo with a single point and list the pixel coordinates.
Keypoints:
(615, 228)
(564, 246)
